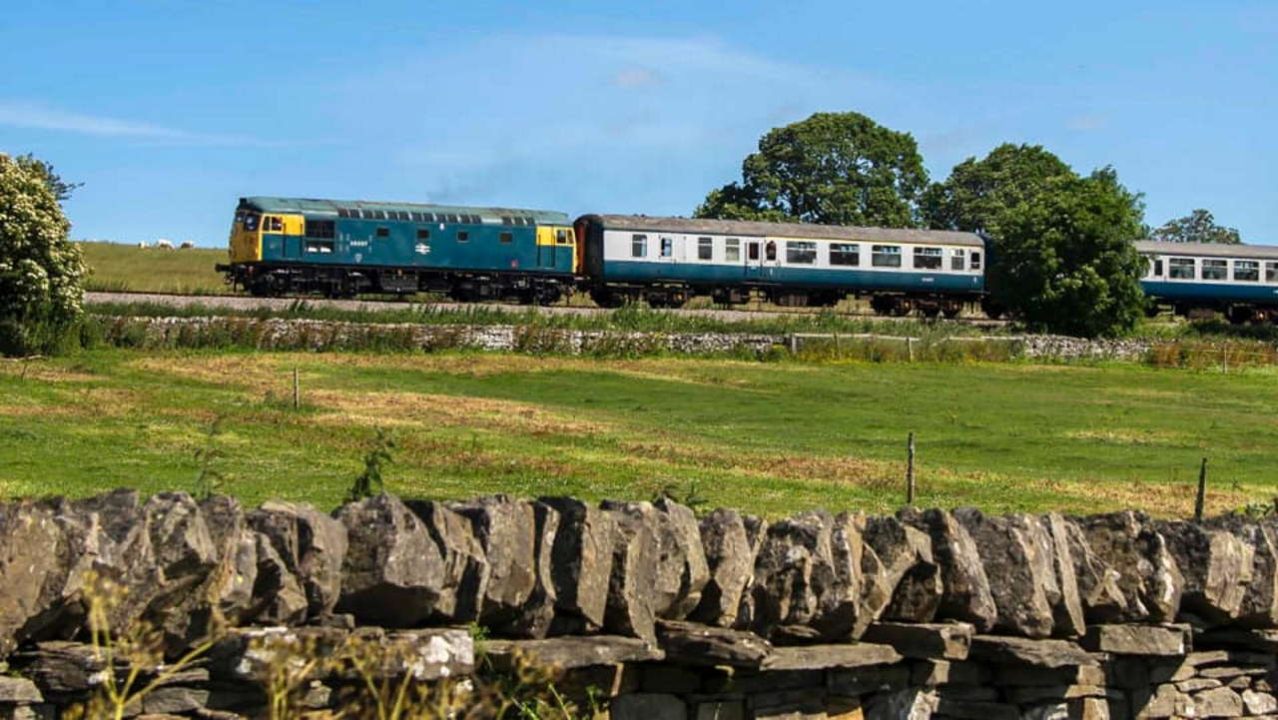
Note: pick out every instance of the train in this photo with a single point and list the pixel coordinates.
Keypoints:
(341, 248)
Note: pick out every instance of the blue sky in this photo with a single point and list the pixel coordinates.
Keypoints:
(169, 111)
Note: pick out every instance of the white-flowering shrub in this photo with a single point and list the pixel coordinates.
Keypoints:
(41, 270)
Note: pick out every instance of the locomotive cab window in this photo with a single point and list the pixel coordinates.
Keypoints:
(638, 246)
(1181, 268)
(1246, 271)
(1215, 269)
(563, 237)
(732, 250)
(845, 254)
(886, 256)
(958, 259)
(800, 253)
(927, 258)
(705, 248)
(272, 223)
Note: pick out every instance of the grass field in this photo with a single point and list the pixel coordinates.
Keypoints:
(119, 268)
(767, 437)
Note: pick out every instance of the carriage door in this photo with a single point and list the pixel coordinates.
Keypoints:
(753, 259)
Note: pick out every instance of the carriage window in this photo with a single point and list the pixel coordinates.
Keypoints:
(1181, 268)
(250, 222)
(1158, 267)
(1246, 271)
(848, 254)
(732, 250)
(886, 256)
(753, 251)
(927, 258)
(1215, 269)
(506, 237)
(667, 247)
(770, 252)
(705, 248)
(383, 232)
(976, 260)
(800, 253)
(320, 228)
(1271, 272)
(958, 259)
(638, 246)
(463, 236)
(423, 234)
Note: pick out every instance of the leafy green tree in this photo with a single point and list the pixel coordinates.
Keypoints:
(61, 188)
(832, 168)
(1065, 262)
(979, 193)
(1197, 227)
(41, 270)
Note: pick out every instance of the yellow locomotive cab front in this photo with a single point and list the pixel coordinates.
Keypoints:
(246, 237)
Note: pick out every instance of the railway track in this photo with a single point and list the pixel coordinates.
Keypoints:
(248, 303)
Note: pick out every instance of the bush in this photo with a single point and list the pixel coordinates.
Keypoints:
(41, 271)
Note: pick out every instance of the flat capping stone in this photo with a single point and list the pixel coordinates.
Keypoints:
(1148, 640)
(821, 657)
(570, 653)
(1024, 651)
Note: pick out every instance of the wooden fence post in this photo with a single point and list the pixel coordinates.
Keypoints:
(909, 472)
(1202, 492)
(909, 346)
(297, 391)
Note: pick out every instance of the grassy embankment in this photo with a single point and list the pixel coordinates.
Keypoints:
(116, 267)
(767, 437)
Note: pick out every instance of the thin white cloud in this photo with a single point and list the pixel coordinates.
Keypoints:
(34, 116)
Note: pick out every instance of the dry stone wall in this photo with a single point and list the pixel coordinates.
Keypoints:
(659, 613)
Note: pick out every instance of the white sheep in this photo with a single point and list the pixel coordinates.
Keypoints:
(164, 244)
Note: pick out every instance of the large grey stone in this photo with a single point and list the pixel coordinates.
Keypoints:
(950, 641)
(730, 561)
(567, 653)
(1016, 550)
(1028, 651)
(824, 657)
(312, 545)
(466, 567)
(906, 573)
(1259, 703)
(508, 533)
(17, 690)
(692, 644)
(683, 570)
(34, 564)
(277, 595)
(1067, 607)
(1148, 576)
(966, 593)
(581, 565)
(393, 573)
(1151, 640)
(636, 565)
(1216, 566)
(1259, 607)
(1218, 702)
(1098, 583)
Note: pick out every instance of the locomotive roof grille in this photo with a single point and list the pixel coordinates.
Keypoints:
(692, 226)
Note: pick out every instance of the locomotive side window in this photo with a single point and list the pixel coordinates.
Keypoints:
(463, 236)
(705, 248)
(506, 238)
(667, 247)
(958, 259)
(1181, 268)
(846, 254)
(638, 246)
(1215, 269)
(800, 253)
(886, 256)
(1246, 271)
(383, 232)
(927, 258)
(732, 250)
(320, 228)
(423, 234)
(1271, 272)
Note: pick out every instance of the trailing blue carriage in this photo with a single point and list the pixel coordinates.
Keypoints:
(1239, 281)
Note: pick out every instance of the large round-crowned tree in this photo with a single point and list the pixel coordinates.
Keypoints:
(1061, 252)
(41, 270)
(832, 168)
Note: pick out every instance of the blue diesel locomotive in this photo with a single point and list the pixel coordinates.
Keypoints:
(343, 248)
